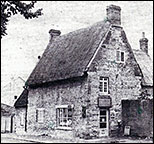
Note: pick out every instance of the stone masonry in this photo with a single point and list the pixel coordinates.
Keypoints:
(124, 83)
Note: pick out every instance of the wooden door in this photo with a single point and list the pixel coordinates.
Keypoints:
(104, 122)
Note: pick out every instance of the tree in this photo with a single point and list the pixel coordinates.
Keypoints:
(9, 8)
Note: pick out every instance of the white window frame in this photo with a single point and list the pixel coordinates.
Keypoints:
(120, 56)
(102, 81)
(60, 119)
(22, 117)
(40, 115)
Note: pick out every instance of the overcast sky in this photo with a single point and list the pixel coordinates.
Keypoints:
(27, 39)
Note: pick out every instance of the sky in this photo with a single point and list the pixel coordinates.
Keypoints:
(27, 39)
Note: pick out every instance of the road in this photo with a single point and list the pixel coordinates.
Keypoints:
(13, 140)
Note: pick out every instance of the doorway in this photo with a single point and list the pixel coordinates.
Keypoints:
(104, 122)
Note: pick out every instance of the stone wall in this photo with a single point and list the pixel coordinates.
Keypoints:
(19, 121)
(65, 93)
(124, 83)
(138, 114)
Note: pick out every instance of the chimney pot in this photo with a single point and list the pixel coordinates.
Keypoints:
(53, 34)
(144, 43)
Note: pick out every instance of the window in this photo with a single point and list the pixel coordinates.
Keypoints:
(64, 116)
(103, 85)
(120, 56)
(83, 112)
(40, 115)
(22, 118)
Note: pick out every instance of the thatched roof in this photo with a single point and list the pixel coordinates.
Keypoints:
(22, 101)
(146, 66)
(7, 110)
(68, 55)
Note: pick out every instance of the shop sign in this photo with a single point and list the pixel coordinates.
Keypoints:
(104, 102)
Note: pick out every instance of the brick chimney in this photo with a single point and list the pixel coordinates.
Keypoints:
(53, 34)
(144, 43)
(114, 14)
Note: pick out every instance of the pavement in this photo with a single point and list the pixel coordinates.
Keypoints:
(14, 138)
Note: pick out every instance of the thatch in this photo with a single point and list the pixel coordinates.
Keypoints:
(7, 110)
(68, 55)
(22, 101)
(146, 66)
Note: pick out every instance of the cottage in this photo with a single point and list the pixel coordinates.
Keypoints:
(7, 116)
(146, 66)
(78, 84)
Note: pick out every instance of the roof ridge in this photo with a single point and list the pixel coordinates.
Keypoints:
(80, 29)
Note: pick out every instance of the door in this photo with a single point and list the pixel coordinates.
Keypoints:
(104, 122)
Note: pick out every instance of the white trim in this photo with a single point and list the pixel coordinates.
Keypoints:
(64, 128)
(64, 106)
(103, 81)
(101, 93)
(22, 117)
(87, 67)
(40, 118)
(107, 123)
(61, 106)
(120, 51)
(40, 108)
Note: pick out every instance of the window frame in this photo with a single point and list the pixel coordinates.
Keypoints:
(84, 112)
(102, 82)
(119, 57)
(40, 119)
(60, 117)
(22, 117)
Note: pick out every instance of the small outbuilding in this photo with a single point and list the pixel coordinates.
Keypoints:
(7, 114)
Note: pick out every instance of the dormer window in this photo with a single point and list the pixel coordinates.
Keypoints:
(120, 56)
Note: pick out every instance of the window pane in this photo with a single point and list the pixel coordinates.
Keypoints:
(83, 112)
(65, 122)
(22, 119)
(122, 56)
(105, 86)
(105, 79)
(100, 86)
(102, 112)
(100, 83)
(101, 78)
(65, 114)
(64, 117)
(102, 119)
(70, 112)
(102, 125)
(41, 115)
(69, 122)
(118, 55)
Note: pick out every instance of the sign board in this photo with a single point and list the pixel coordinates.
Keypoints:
(104, 102)
(127, 130)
